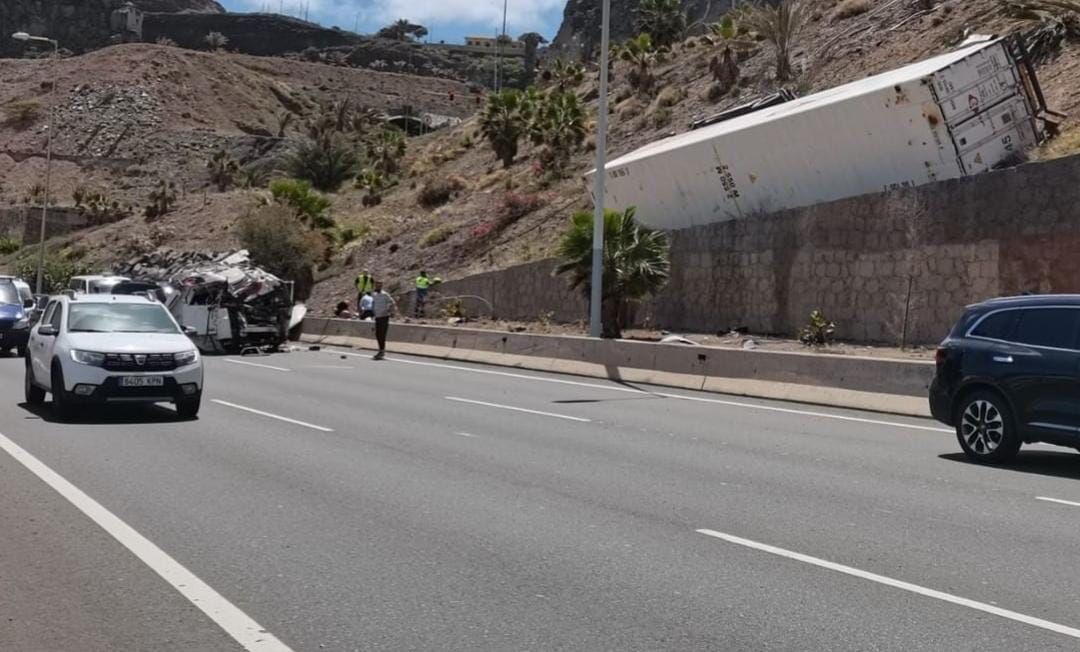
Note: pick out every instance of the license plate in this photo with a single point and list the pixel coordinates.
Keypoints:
(142, 381)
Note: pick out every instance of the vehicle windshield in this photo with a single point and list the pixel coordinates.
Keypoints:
(8, 293)
(119, 318)
(104, 286)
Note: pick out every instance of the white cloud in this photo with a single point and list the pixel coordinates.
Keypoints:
(520, 15)
(484, 16)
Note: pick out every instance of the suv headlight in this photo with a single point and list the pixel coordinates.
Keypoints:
(92, 358)
(21, 324)
(185, 358)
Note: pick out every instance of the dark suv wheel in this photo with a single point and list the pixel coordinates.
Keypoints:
(985, 428)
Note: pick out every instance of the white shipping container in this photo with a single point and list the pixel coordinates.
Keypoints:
(954, 115)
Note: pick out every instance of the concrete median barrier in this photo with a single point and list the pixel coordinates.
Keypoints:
(878, 384)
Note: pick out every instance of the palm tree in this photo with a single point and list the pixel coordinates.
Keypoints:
(403, 30)
(781, 26)
(636, 262)
(641, 54)
(532, 41)
(503, 123)
(663, 20)
(565, 74)
(326, 161)
(385, 150)
(223, 169)
(558, 122)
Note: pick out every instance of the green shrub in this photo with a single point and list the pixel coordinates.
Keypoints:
(438, 192)
(162, 199)
(282, 245)
(715, 93)
(56, 273)
(9, 246)
(436, 236)
(818, 332)
(307, 204)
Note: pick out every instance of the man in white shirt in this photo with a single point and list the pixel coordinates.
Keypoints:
(367, 304)
(383, 306)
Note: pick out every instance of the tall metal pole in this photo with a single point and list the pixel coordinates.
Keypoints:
(48, 170)
(499, 44)
(597, 294)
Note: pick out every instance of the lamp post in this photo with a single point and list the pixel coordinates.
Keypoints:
(24, 37)
(597, 294)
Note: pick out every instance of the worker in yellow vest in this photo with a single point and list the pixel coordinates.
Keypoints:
(423, 284)
(365, 284)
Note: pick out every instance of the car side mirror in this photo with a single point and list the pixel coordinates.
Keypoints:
(47, 330)
(189, 331)
(29, 303)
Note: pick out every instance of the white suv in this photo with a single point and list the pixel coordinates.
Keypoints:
(102, 348)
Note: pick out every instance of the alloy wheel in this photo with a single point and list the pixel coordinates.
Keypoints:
(982, 426)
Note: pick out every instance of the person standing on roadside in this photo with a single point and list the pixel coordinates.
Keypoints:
(365, 284)
(423, 284)
(383, 306)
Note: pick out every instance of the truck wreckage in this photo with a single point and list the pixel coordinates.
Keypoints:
(232, 305)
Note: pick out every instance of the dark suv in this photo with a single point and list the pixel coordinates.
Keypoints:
(1009, 373)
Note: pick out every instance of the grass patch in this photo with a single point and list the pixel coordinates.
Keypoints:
(438, 235)
(850, 8)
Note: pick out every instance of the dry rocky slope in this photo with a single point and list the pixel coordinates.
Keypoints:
(196, 101)
(78, 25)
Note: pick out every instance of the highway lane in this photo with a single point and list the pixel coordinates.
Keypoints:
(404, 520)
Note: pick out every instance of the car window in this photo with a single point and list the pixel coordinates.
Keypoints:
(47, 319)
(120, 318)
(8, 293)
(75, 284)
(25, 294)
(57, 314)
(1053, 327)
(998, 325)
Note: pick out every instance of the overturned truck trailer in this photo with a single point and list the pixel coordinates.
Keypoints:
(231, 304)
(951, 116)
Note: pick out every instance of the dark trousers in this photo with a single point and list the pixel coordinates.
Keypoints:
(382, 326)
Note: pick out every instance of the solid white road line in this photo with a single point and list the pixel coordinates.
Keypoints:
(1057, 500)
(226, 615)
(898, 584)
(681, 397)
(256, 364)
(272, 416)
(465, 434)
(518, 409)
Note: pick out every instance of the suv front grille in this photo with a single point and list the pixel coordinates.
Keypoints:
(130, 362)
(6, 324)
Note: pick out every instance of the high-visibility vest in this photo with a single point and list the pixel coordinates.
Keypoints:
(422, 282)
(365, 283)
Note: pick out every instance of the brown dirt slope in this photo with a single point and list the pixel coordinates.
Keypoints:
(200, 100)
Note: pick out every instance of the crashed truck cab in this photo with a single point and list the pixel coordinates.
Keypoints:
(229, 317)
(228, 304)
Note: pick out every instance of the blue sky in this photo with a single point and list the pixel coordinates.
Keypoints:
(448, 20)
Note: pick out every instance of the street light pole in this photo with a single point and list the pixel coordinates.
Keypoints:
(23, 36)
(597, 293)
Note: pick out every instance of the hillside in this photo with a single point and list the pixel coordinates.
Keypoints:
(197, 101)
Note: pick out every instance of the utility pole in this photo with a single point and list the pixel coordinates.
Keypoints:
(24, 37)
(597, 293)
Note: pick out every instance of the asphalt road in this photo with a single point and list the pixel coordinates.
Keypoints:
(345, 504)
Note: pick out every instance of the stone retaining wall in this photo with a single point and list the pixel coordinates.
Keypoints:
(864, 261)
